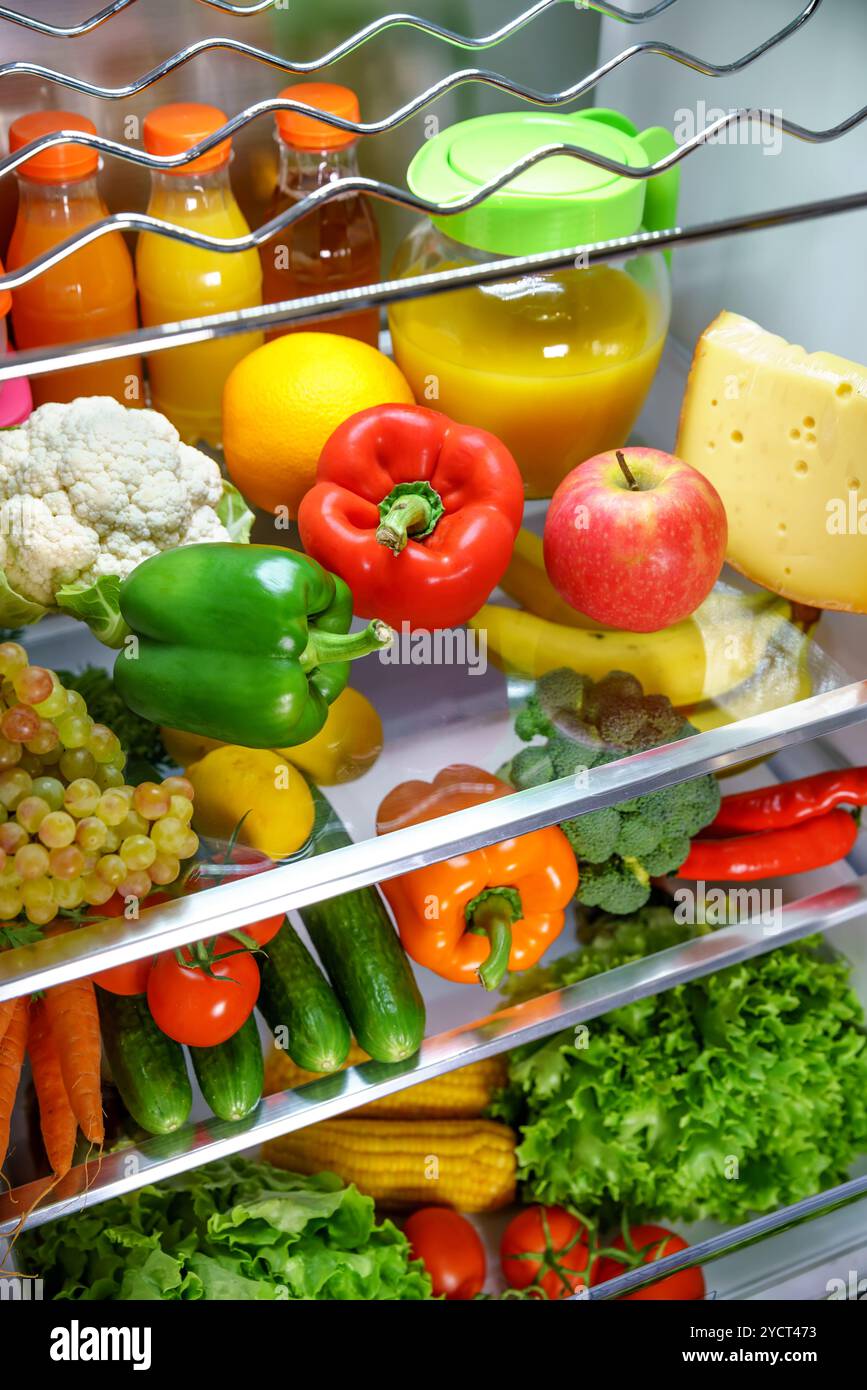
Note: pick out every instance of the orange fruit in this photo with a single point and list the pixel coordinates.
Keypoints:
(284, 400)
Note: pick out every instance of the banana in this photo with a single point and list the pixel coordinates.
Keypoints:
(782, 677)
(710, 654)
(527, 582)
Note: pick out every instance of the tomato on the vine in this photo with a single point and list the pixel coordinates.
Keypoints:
(548, 1247)
(132, 977)
(450, 1250)
(645, 1245)
(198, 1005)
(241, 862)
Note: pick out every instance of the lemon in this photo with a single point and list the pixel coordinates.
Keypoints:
(283, 401)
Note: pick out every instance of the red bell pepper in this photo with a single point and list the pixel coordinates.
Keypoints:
(417, 514)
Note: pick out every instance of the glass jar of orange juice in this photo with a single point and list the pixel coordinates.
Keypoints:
(558, 364)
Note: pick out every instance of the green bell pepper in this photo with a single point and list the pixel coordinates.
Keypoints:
(245, 643)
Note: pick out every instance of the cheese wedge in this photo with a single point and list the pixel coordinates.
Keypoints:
(782, 435)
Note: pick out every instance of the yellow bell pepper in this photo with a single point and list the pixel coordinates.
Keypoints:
(258, 786)
(345, 747)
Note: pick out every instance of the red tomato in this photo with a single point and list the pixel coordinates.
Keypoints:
(450, 1249)
(131, 978)
(546, 1246)
(196, 1008)
(652, 1243)
(244, 862)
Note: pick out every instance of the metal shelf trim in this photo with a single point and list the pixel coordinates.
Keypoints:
(163, 337)
(236, 905)
(165, 1156)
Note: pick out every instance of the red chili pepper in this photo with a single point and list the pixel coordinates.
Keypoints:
(418, 515)
(796, 849)
(790, 803)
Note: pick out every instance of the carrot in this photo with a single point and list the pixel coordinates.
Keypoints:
(56, 1120)
(72, 1015)
(7, 1009)
(12, 1048)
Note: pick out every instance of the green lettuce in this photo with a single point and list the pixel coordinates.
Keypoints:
(737, 1093)
(233, 1230)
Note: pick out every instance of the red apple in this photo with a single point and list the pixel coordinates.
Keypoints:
(635, 539)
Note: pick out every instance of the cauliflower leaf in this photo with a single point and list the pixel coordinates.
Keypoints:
(98, 605)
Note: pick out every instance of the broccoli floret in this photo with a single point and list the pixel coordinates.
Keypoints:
(557, 707)
(638, 836)
(618, 886)
(532, 720)
(594, 835)
(567, 757)
(667, 857)
(633, 721)
(681, 810)
(589, 724)
(531, 767)
(561, 692)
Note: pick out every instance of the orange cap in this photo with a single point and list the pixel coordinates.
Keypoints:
(60, 163)
(5, 298)
(173, 129)
(305, 132)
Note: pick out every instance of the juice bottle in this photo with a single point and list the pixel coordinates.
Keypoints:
(337, 246)
(181, 282)
(16, 401)
(91, 294)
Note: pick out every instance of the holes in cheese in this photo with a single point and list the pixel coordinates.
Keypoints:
(781, 433)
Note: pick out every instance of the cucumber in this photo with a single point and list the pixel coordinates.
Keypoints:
(232, 1074)
(296, 997)
(148, 1069)
(363, 957)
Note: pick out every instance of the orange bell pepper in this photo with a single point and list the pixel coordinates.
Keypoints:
(480, 914)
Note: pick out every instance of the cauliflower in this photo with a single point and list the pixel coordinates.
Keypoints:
(91, 488)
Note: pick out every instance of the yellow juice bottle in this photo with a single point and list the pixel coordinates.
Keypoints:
(180, 282)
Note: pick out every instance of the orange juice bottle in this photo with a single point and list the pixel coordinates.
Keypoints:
(335, 247)
(91, 294)
(181, 282)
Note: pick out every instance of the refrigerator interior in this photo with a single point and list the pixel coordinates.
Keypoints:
(799, 281)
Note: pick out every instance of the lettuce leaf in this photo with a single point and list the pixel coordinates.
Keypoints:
(234, 1230)
(737, 1093)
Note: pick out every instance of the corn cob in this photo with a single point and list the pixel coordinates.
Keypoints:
(459, 1095)
(467, 1164)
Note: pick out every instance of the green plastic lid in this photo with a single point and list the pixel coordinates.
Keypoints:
(559, 201)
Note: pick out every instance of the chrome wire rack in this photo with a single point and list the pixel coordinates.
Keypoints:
(132, 221)
(257, 7)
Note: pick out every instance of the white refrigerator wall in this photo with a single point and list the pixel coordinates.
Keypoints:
(806, 282)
